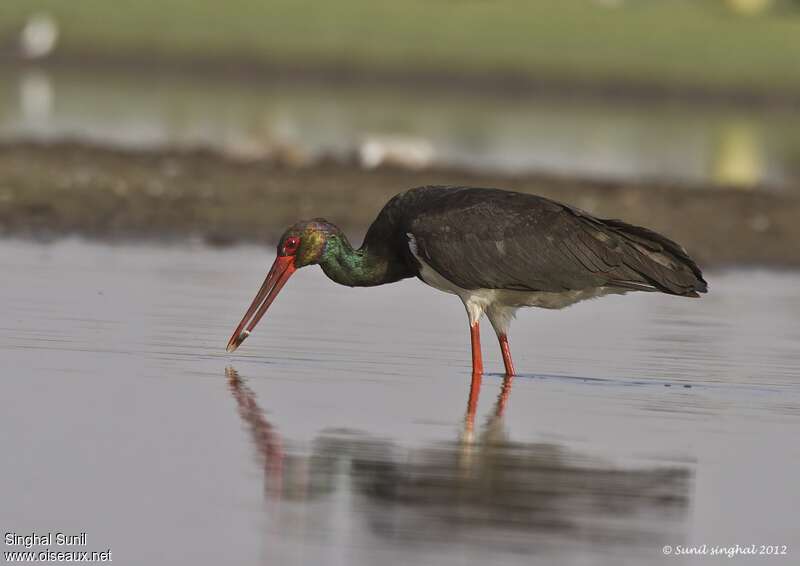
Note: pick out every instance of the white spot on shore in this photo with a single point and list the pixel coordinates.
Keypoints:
(39, 36)
(412, 153)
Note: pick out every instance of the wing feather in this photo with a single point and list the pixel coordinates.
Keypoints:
(488, 238)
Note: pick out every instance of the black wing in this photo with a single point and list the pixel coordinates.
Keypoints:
(488, 238)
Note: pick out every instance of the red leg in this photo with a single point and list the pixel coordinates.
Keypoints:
(475, 340)
(507, 361)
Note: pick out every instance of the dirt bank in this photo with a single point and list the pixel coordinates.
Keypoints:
(61, 189)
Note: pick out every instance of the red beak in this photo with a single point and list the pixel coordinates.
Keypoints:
(278, 275)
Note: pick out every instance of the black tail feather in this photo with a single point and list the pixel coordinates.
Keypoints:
(660, 261)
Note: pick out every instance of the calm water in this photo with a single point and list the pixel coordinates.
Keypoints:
(337, 434)
(698, 143)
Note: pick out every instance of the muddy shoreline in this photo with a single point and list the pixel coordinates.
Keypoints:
(59, 189)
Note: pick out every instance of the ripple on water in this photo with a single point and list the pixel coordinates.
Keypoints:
(344, 434)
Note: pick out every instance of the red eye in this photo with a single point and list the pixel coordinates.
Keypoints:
(290, 245)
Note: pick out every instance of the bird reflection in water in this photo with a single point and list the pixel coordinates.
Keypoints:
(481, 487)
(264, 436)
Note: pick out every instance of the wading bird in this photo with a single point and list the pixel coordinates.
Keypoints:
(496, 250)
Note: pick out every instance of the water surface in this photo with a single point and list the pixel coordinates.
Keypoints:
(303, 121)
(337, 433)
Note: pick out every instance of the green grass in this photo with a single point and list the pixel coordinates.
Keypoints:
(692, 43)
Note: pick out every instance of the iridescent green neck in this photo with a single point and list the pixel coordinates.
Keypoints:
(364, 267)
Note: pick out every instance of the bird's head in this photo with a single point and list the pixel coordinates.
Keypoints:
(304, 243)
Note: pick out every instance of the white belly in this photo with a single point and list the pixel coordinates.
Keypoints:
(501, 304)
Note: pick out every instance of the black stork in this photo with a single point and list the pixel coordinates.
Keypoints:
(496, 250)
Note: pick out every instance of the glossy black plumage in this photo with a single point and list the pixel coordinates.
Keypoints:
(494, 239)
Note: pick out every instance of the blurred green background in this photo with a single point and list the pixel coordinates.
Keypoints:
(751, 44)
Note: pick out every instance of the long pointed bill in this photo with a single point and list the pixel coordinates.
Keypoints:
(278, 275)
